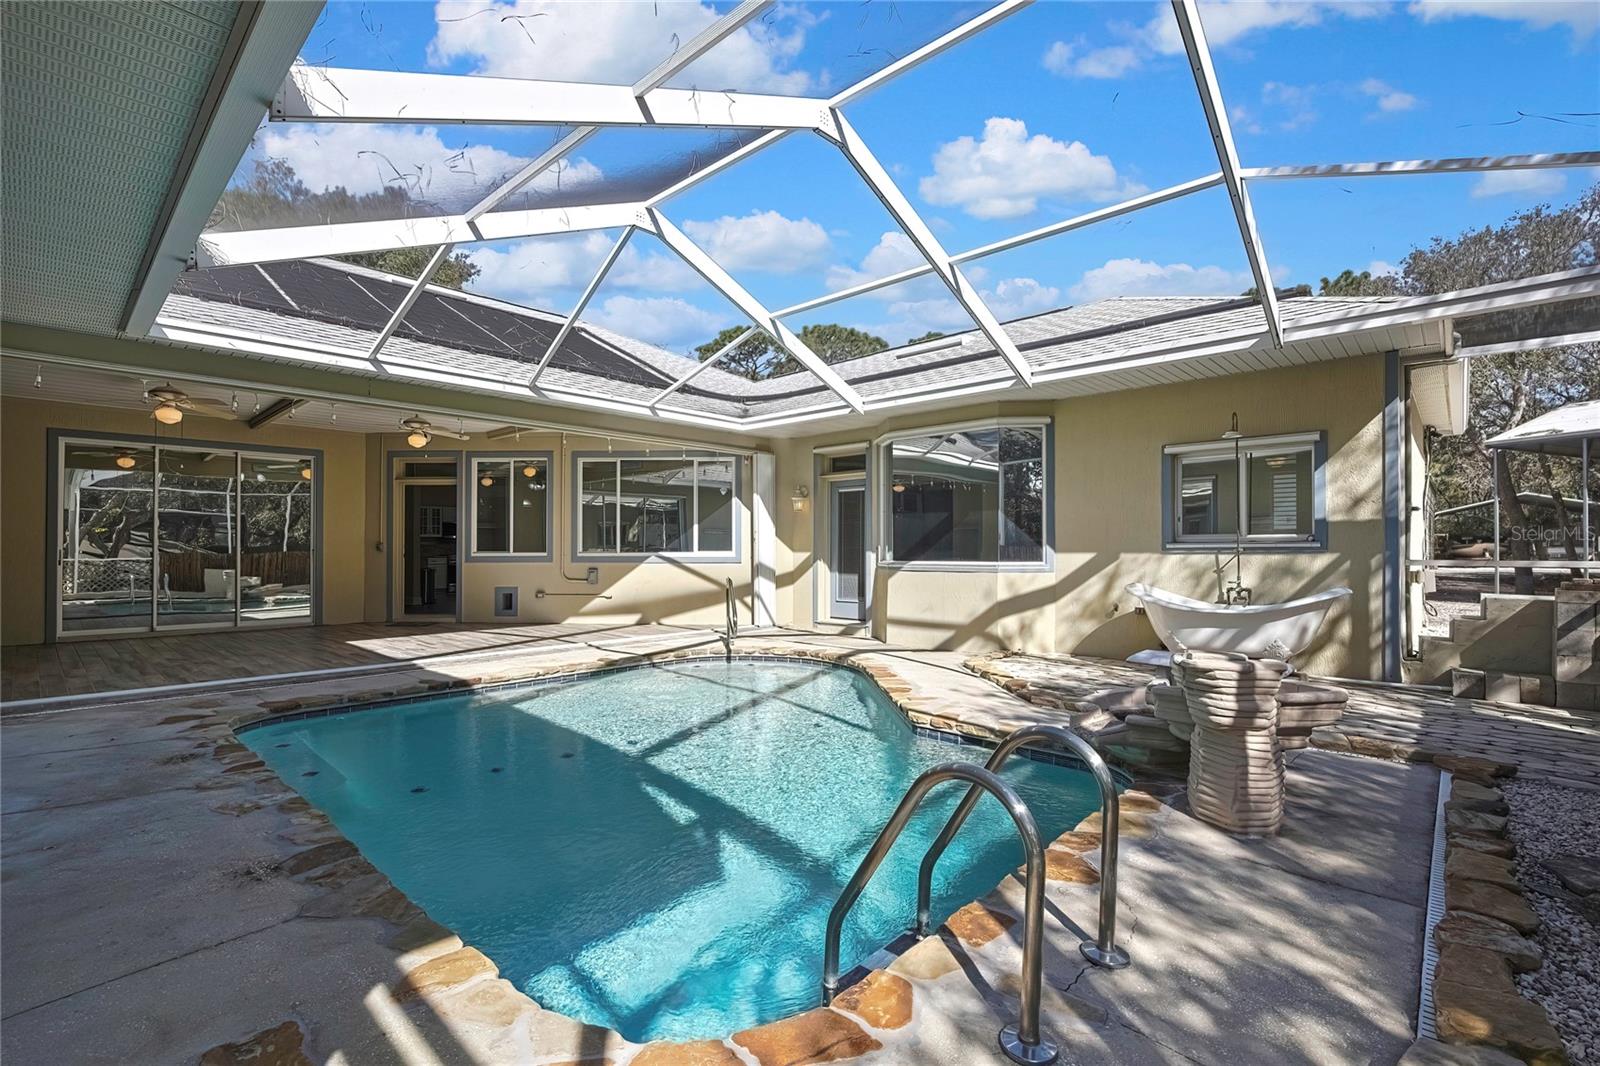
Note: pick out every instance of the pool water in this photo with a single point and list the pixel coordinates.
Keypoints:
(656, 849)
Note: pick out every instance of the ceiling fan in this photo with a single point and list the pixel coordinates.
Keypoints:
(419, 431)
(171, 403)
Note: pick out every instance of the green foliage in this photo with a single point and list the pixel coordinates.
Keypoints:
(1511, 388)
(760, 358)
(931, 335)
(453, 273)
(275, 196)
(1349, 283)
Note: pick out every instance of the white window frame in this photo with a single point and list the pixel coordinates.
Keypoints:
(517, 461)
(885, 478)
(616, 552)
(1241, 452)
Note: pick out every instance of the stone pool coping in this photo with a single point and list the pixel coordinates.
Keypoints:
(437, 965)
(142, 882)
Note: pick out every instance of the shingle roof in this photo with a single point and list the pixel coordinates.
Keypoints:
(334, 305)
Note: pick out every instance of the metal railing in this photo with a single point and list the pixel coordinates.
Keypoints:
(1021, 1041)
(1102, 951)
(732, 612)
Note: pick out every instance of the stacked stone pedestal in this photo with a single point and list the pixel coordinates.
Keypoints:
(1305, 705)
(1235, 759)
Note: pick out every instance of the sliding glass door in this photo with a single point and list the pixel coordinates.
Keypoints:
(275, 546)
(106, 503)
(159, 537)
(196, 515)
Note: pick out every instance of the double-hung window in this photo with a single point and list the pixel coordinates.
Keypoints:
(967, 497)
(1263, 492)
(645, 506)
(511, 506)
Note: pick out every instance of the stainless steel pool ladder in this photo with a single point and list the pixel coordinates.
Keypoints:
(1021, 1041)
(732, 629)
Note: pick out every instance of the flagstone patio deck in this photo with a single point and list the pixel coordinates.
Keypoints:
(167, 898)
(1407, 723)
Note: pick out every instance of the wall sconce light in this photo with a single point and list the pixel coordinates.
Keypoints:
(801, 495)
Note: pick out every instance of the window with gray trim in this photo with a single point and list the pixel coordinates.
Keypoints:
(648, 506)
(1263, 491)
(510, 506)
(968, 496)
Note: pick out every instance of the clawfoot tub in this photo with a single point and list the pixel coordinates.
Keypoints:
(1260, 630)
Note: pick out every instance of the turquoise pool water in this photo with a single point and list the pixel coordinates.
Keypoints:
(657, 849)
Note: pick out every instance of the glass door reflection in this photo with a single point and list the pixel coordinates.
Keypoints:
(106, 498)
(197, 520)
(276, 542)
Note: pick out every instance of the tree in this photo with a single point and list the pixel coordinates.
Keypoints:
(1510, 388)
(453, 273)
(1349, 283)
(931, 335)
(275, 196)
(760, 358)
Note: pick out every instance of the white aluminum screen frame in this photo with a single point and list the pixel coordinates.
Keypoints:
(374, 96)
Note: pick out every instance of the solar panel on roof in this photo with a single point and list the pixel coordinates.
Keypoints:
(362, 301)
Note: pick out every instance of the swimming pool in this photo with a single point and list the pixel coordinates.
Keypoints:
(656, 849)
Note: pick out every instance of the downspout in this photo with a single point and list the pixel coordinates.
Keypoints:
(1393, 503)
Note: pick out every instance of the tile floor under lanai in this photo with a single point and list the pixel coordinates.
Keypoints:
(154, 865)
(1405, 723)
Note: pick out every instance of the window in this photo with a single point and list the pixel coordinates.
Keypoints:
(967, 496)
(160, 537)
(1263, 491)
(511, 506)
(646, 506)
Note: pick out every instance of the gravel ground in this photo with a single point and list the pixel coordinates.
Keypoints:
(1548, 820)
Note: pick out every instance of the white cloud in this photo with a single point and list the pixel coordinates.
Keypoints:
(1581, 16)
(1526, 182)
(1076, 61)
(761, 240)
(1141, 277)
(617, 43)
(1004, 174)
(1388, 97)
(1015, 297)
(1233, 20)
(1225, 22)
(893, 253)
(367, 158)
(1382, 268)
(664, 320)
(544, 272)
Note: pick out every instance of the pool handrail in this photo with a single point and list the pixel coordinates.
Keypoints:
(733, 615)
(1021, 1041)
(1102, 951)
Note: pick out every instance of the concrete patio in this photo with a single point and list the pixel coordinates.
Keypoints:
(168, 898)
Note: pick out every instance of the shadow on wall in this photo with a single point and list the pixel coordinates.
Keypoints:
(1349, 643)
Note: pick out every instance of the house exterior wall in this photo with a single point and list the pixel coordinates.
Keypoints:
(1108, 517)
(672, 590)
(25, 546)
(1107, 463)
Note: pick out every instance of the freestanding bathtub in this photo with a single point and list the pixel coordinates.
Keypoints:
(1260, 630)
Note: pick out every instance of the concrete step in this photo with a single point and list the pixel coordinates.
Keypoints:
(1503, 687)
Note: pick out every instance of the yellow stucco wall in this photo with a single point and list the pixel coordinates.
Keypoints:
(1107, 508)
(1108, 457)
(24, 425)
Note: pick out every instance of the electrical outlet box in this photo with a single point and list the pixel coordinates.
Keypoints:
(593, 576)
(505, 601)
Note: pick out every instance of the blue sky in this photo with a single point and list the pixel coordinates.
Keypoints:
(1058, 109)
